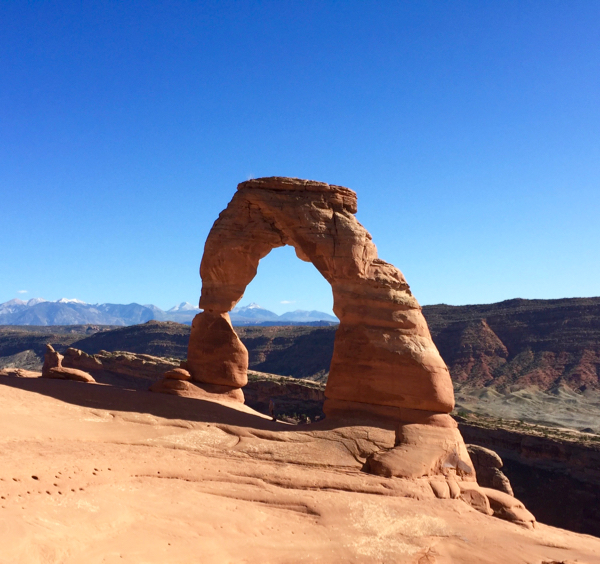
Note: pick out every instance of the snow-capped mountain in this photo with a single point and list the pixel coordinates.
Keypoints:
(12, 305)
(70, 311)
(302, 315)
(252, 312)
(184, 306)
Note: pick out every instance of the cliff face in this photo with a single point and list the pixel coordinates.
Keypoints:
(555, 473)
(300, 352)
(521, 343)
(290, 397)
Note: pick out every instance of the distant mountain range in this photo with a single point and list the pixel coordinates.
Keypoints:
(253, 314)
(38, 311)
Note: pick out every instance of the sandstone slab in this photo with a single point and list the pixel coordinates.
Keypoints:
(215, 482)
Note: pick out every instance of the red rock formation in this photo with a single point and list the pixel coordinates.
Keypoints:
(384, 356)
(53, 368)
(384, 364)
(487, 463)
(19, 373)
(215, 353)
(119, 362)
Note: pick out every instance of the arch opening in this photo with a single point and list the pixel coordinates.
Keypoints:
(284, 283)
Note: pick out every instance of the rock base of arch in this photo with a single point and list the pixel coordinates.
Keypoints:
(215, 353)
(342, 410)
(198, 390)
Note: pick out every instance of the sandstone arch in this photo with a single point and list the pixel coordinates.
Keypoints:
(384, 360)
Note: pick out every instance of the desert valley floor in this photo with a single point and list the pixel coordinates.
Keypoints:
(96, 474)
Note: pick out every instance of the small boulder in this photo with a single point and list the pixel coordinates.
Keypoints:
(487, 465)
(474, 496)
(509, 508)
(484, 457)
(178, 374)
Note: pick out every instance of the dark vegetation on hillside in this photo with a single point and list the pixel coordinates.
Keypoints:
(18, 338)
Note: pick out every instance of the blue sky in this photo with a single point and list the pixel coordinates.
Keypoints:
(469, 130)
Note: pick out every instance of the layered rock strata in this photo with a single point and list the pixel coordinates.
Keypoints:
(119, 362)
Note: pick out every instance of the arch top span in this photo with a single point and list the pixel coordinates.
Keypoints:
(341, 194)
(384, 359)
(315, 218)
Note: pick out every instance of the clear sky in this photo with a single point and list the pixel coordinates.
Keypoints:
(469, 129)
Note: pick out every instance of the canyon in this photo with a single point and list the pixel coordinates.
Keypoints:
(502, 346)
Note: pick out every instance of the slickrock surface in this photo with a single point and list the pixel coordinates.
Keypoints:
(175, 386)
(96, 474)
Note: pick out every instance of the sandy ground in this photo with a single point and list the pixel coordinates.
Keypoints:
(561, 407)
(94, 474)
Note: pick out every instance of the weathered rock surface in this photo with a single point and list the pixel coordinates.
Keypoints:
(383, 353)
(424, 450)
(119, 362)
(178, 374)
(384, 363)
(19, 373)
(53, 368)
(487, 465)
(215, 353)
(505, 506)
(198, 390)
(178, 382)
(216, 482)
